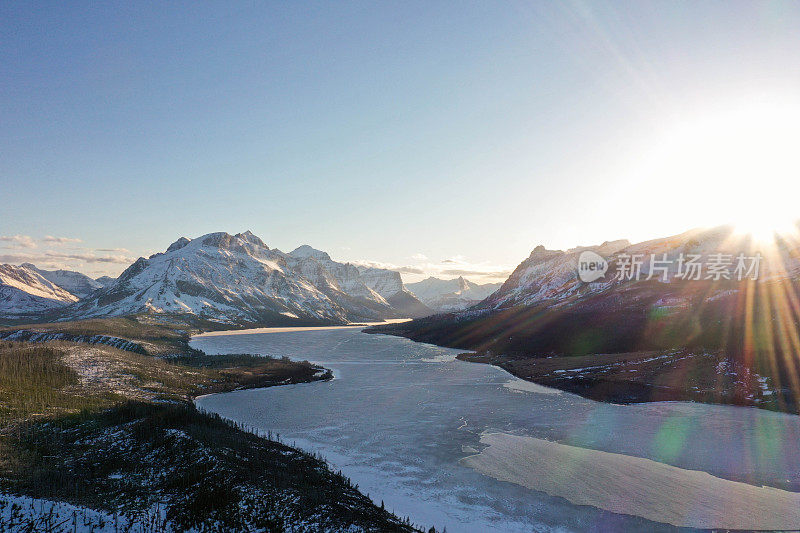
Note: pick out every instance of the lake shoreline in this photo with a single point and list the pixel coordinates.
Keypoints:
(634, 377)
(122, 436)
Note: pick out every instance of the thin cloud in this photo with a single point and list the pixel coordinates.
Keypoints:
(90, 258)
(482, 273)
(409, 270)
(403, 269)
(113, 250)
(419, 257)
(18, 241)
(18, 258)
(60, 240)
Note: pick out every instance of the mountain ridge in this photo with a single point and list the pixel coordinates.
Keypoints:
(451, 295)
(71, 281)
(25, 292)
(238, 279)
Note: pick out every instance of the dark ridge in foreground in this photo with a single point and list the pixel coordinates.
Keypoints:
(197, 470)
(115, 431)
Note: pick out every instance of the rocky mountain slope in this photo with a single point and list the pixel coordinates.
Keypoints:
(686, 317)
(451, 294)
(671, 292)
(25, 292)
(76, 283)
(105, 281)
(239, 279)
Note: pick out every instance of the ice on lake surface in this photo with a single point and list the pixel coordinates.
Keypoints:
(404, 420)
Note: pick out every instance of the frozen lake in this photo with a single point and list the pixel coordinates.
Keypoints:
(470, 447)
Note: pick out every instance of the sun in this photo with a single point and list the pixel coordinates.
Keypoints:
(736, 163)
(765, 227)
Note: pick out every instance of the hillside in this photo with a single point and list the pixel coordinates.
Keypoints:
(545, 310)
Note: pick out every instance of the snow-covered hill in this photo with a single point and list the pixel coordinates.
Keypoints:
(76, 283)
(25, 292)
(239, 279)
(451, 294)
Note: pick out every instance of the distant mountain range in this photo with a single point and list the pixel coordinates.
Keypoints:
(76, 283)
(451, 294)
(234, 279)
(25, 292)
(544, 308)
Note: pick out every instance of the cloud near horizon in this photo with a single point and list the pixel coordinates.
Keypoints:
(18, 241)
(446, 268)
(54, 255)
(60, 240)
(113, 250)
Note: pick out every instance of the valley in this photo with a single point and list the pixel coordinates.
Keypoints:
(141, 350)
(112, 435)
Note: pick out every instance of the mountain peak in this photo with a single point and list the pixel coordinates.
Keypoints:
(249, 237)
(306, 251)
(235, 278)
(227, 241)
(24, 291)
(75, 283)
(177, 245)
(539, 250)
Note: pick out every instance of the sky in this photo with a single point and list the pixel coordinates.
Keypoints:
(432, 137)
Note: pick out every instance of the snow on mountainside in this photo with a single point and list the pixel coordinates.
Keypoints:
(380, 288)
(23, 291)
(545, 275)
(324, 273)
(76, 283)
(389, 284)
(105, 281)
(239, 279)
(648, 299)
(452, 294)
(550, 276)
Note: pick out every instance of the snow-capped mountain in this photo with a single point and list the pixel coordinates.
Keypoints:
(451, 294)
(379, 287)
(25, 292)
(389, 285)
(76, 283)
(105, 281)
(327, 275)
(648, 298)
(546, 275)
(550, 277)
(239, 279)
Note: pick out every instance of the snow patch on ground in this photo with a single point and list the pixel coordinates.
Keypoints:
(520, 385)
(22, 513)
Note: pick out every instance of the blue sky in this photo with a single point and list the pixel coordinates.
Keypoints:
(416, 134)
